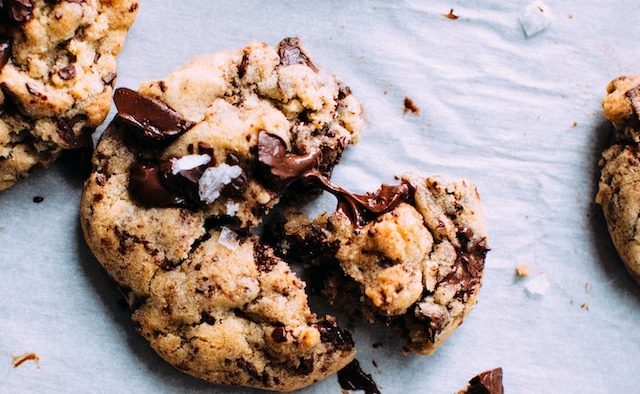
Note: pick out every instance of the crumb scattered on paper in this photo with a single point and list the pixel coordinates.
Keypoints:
(574, 124)
(375, 364)
(522, 270)
(451, 15)
(19, 360)
(376, 345)
(587, 287)
(537, 286)
(38, 199)
(409, 106)
(584, 306)
(535, 18)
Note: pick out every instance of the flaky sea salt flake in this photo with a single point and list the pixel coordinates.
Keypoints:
(214, 179)
(229, 239)
(535, 18)
(189, 162)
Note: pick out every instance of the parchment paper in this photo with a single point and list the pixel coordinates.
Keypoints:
(496, 108)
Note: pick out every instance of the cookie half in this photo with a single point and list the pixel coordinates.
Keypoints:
(409, 256)
(57, 70)
(619, 187)
(182, 178)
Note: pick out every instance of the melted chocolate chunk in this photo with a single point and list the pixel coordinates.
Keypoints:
(5, 51)
(16, 11)
(291, 53)
(145, 185)
(352, 377)
(332, 334)
(151, 118)
(489, 382)
(362, 208)
(283, 166)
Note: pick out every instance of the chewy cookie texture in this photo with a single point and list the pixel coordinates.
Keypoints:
(57, 69)
(180, 181)
(409, 256)
(619, 194)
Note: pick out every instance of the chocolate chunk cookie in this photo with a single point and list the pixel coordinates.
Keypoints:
(409, 256)
(182, 178)
(619, 193)
(57, 69)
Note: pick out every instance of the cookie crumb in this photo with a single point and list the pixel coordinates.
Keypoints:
(587, 287)
(38, 199)
(19, 360)
(522, 270)
(451, 15)
(584, 306)
(409, 106)
(376, 345)
(574, 124)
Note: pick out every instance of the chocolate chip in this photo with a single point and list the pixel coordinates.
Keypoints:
(207, 318)
(68, 72)
(291, 53)
(151, 118)
(489, 382)
(251, 370)
(34, 90)
(409, 106)
(352, 377)
(38, 199)
(279, 335)
(305, 366)
(5, 51)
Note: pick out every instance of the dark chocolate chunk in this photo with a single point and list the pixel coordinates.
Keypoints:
(16, 11)
(489, 382)
(352, 377)
(5, 51)
(68, 72)
(67, 131)
(279, 335)
(272, 153)
(145, 185)
(305, 367)
(291, 53)
(151, 118)
(332, 334)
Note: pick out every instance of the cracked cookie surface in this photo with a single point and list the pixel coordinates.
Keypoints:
(619, 187)
(183, 176)
(416, 266)
(57, 69)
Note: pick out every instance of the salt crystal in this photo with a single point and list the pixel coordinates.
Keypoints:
(535, 18)
(214, 179)
(537, 286)
(229, 239)
(189, 162)
(232, 208)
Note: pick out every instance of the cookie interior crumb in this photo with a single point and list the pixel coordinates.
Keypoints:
(522, 270)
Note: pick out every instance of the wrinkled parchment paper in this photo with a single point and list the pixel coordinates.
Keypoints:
(519, 116)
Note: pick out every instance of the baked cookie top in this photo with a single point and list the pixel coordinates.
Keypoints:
(182, 178)
(57, 69)
(410, 256)
(618, 192)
